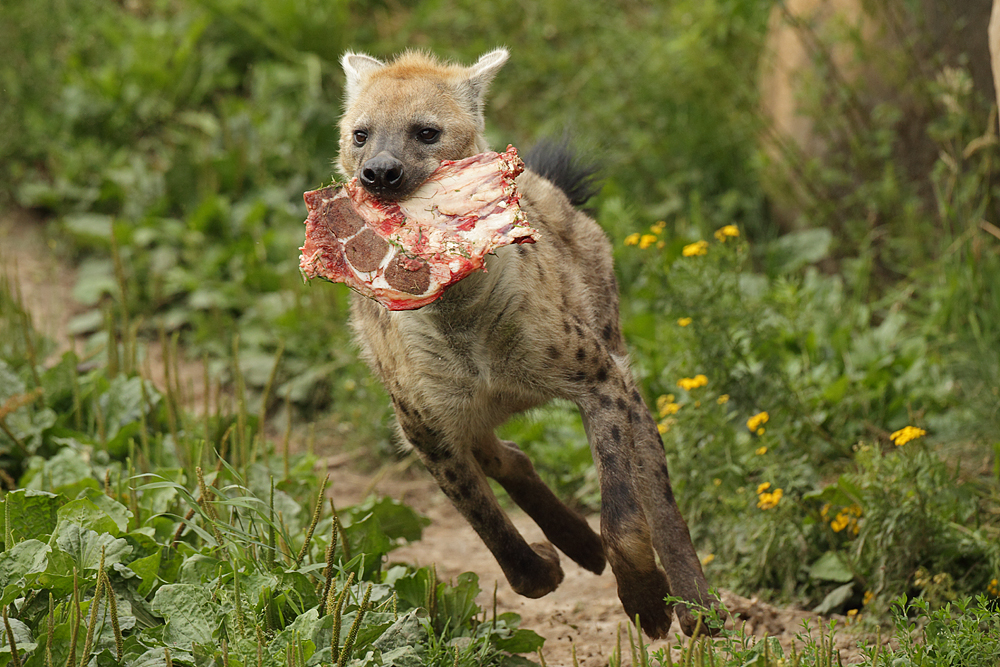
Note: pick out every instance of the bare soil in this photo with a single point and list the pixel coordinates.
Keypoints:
(582, 616)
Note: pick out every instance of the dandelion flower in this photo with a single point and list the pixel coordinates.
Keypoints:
(658, 226)
(646, 240)
(695, 249)
(723, 233)
(760, 451)
(662, 428)
(684, 321)
(768, 499)
(994, 588)
(632, 239)
(869, 596)
(758, 420)
(905, 434)
(722, 400)
(708, 559)
(687, 384)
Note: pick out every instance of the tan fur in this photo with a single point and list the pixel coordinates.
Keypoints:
(540, 323)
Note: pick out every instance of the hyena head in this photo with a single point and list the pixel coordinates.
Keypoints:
(403, 118)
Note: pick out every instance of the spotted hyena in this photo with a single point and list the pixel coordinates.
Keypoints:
(540, 323)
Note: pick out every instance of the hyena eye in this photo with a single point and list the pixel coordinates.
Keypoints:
(429, 135)
(360, 137)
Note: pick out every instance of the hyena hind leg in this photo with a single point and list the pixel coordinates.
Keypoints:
(568, 530)
(669, 531)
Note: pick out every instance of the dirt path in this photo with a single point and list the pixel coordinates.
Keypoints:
(583, 614)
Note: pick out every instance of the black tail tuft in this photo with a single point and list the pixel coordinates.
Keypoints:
(558, 163)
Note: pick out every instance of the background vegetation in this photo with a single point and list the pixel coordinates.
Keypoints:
(168, 143)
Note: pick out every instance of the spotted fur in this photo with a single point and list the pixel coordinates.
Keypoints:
(541, 323)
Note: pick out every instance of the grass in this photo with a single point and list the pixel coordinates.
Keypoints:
(168, 144)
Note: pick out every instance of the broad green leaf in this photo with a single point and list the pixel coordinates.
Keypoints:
(84, 513)
(835, 599)
(458, 603)
(58, 574)
(147, 569)
(18, 565)
(32, 514)
(190, 614)
(84, 547)
(22, 637)
(114, 509)
(67, 466)
(831, 567)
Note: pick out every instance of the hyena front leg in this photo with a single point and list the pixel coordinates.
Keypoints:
(669, 531)
(570, 532)
(531, 569)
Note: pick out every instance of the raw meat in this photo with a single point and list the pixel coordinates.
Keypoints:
(405, 254)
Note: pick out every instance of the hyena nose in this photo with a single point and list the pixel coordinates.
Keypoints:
(383, 173)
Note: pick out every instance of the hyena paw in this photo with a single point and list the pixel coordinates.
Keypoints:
(687, 616)
(542, 576)
(643, 596)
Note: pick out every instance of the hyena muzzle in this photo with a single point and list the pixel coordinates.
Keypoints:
(540, 323)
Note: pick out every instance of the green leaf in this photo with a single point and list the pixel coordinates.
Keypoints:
(835, 599)
(22, 637)
(84, 547)
(32, 514)
(190, 614)
(831, 566)
(18, 565)
(114, 509)
(84, 513)
(68, 466)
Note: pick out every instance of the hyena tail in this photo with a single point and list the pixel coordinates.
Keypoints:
(557, 162)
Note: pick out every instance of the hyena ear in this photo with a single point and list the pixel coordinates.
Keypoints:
(479, 76)
(357, 67)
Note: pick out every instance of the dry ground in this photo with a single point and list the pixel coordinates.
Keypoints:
(584, 613)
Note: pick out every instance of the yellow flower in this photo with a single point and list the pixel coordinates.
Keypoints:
(632, 239)
(662, 428)
(696, 248)
(905, 434)
(687, 384)
(658, 226)
(717, 481)
(725, 232)
(646, 240)
(722, 400)
(684, 321)
(869, 596)
(761, 451)
(852, 615)
(994, 588)
(768, 500)
(755, 422)
(824, 511)
(847, 518)
(708, 559)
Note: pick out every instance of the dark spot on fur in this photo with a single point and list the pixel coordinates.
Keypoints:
(602, 374)
(465, 491)
(579, 331)
(581, 354)
(621, 404)
(578, 376)
(604, 399)
(636, 398)
(521, 249)
(616, 434)
(553, 352)
(567, 327)
(451, 476)
(366, 250)
(608, 332)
